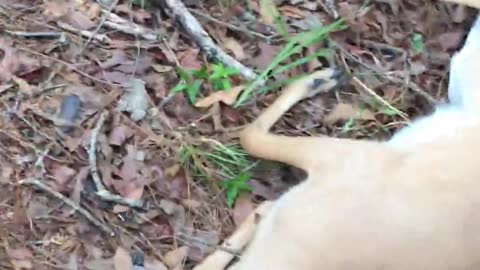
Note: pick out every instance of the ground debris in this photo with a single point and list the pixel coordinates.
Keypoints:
(66, 65)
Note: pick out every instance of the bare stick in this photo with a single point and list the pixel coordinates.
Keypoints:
(88, 34)
(36, 34)
(68, 65)
(230, 26)
(411, 85)
(102, 192)
(331, 6)
(327, 7)
(77, 208)
(118, 23)
(379, 98)
(95, 32)
(193, 28)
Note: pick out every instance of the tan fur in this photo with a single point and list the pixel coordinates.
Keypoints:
(367, 205)
(470, 3)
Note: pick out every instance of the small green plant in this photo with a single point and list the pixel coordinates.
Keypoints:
(220, 77)
(348, 125)
(191, 81)
(230, 162)
(383, 109)
(294, 46)
(417, 43)
(235, 186)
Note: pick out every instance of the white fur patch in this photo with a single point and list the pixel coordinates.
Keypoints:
(444, 124)
(463, 110)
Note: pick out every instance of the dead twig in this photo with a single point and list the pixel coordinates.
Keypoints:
(329, 7)
(23, 34)
(102, 192)
(411, 85)
(77, 208)
(95, 34)
(84, 33)
(231, 26)
(379, 98)
(68, 65)
(193, 28)
(118, 23)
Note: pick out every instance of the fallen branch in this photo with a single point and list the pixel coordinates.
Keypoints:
(193, 28)
(102, 192)
(77, 208)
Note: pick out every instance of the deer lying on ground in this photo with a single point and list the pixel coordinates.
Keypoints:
(412, 202)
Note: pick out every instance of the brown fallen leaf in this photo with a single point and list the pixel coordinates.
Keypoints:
(80, 21)
(265, 56)
(122, 260)
(291, 11)
(162, 68)
(138, 66)
(176, 213)
(268, 11)
(172, 170)
(450, 40)
(132, 186)
(79, 181)
(235, 47)
(12, 63)
(189, 59)
(54, 9)
(459, 14)
(139, 15)
(91, 99)
(175, 257)
(154, 264)
(62, 175)
(119, 135)
(131, 164)
(116, 77)
(20, 258)
(37, 208)
(23, 85)
(310, 5)
(134, 192)
(136, 100)
(242, 209)
(228, 97)
(100, 264)
(117, 57)
(204, 243)
(344, 111)
(6, 172)
(93, 10)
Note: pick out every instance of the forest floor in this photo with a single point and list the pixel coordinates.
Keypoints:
(118, 138)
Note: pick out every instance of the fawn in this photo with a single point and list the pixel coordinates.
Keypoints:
(407, 203)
